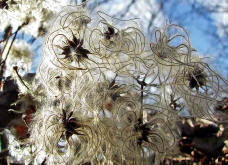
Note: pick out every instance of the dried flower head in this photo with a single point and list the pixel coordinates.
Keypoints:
(71, 125)
(197, 78)
(74, 50)
(20, 55)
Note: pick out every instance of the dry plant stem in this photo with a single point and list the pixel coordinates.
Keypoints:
(142, 84)
(2, 64)
(3, 49)
(14, 37)
(19, 77)
(7, 54)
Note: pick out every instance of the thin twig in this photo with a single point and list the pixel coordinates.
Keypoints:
(2, 65)
(19, 77)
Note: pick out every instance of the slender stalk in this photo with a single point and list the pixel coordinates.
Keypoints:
(19, 77)
(2, 65)
(142, 84)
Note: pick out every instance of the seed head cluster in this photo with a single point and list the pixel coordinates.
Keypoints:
(110, 96)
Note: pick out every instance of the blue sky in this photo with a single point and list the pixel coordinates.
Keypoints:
(200, 29)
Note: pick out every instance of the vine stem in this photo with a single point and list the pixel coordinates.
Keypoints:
(2, 65)
(142, 84)
(141, 110)
(19, 77)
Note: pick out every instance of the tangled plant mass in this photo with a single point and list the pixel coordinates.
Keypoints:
(104, 94)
